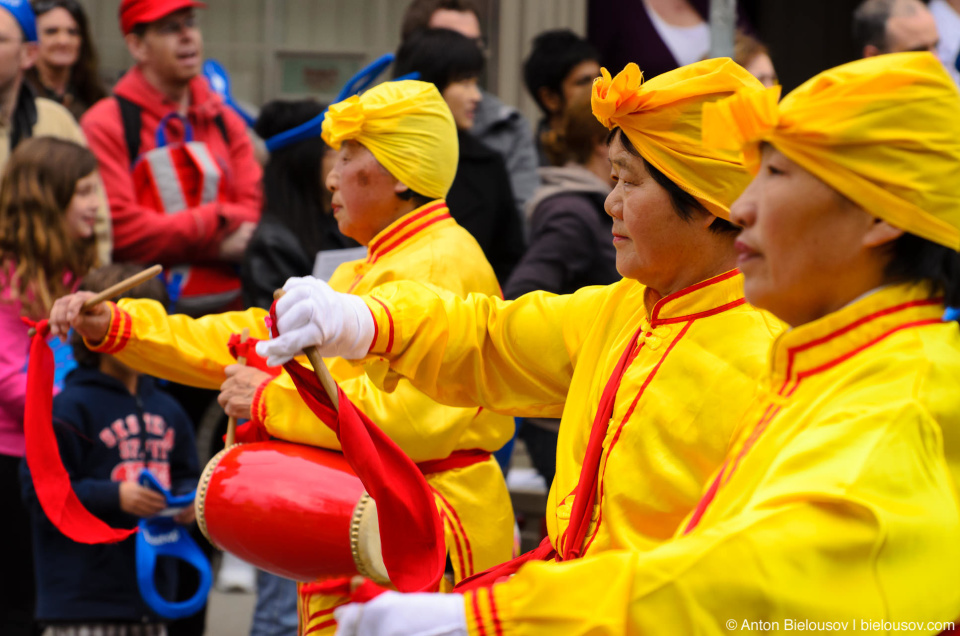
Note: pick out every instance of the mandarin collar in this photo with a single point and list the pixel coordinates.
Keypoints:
(817, 346)
(706, 298)
(405, 228)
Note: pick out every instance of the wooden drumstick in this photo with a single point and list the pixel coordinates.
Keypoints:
(115, 290)
(232, 421)
(319, 366)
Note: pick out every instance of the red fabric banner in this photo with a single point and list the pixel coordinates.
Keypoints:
(411, 534)
(50, 478)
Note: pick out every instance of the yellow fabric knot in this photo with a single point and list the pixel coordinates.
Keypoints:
(662, 119)
(344, 121)
(742, 121)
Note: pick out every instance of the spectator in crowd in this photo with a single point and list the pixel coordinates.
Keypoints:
(297, 220)
(66, 70)
(894, 26)
(203, 220)
(22, 113)
(946, 13)
(480, 199)
(570, 238)
(752, 54)
(49, 197)
(111, 423)
(499, 126)
(561, 66)
(657, 35)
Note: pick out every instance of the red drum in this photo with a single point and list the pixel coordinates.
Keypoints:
(297, 511)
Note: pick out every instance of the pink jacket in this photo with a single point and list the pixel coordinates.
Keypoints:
(13, 378)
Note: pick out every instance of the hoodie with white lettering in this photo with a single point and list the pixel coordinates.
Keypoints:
(107, 435)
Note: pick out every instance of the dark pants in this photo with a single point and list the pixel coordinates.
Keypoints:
(17, 585)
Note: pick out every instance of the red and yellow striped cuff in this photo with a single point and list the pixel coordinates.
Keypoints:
(118, 333)
(483, 614)
(258, 408)
(383, 326)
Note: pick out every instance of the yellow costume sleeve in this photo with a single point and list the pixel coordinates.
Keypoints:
(178, 348)
(831, 533)
(515, 357)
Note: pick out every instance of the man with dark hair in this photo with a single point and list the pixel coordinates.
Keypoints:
(894, 26)
(499, 126)
(561, 66)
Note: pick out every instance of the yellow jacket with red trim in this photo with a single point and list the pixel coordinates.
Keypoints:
(836, 505)
(427, 245)
(701, 350)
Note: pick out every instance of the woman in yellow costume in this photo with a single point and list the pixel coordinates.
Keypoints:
(651, 375)
(397, 158)
(837, 505)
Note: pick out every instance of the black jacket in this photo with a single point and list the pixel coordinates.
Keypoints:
(571, 245)
(482, 202)
(105, 436)
(275, 254)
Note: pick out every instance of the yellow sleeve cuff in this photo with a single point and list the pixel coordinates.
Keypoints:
(484, 612)
(384, 334)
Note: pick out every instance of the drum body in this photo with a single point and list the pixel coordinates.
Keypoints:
(293, 510)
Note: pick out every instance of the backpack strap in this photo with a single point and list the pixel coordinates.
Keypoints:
(222, 125)
(132, 124)
(130, 116)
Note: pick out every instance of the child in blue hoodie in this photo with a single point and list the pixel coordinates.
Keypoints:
(110, 423)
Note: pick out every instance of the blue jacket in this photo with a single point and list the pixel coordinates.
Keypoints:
(106, 435)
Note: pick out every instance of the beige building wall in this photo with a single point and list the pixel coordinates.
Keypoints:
(290, 48)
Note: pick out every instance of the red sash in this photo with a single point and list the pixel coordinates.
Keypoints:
(585, 494)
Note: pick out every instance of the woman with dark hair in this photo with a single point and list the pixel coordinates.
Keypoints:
(569, 232)
(297, 220)
(66, 70)
(481, 199)
(650, 375)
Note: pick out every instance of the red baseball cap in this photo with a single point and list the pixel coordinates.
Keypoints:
(134, 12)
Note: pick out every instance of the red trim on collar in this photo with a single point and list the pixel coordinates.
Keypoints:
(413, 232)
(791, 352)
(375, 246)
(688, 290)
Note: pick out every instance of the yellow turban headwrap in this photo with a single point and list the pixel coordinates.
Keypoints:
(884, 132)
(662, 117)
(408, 128)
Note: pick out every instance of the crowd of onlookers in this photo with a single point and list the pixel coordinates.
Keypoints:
(159, 170)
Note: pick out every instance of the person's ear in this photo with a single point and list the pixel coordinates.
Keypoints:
(136, 46)
(29, 53)
(881, 233)
(551, 100)
(871, 51)
(399, 187)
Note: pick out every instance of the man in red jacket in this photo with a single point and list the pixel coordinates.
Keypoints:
(193, 202)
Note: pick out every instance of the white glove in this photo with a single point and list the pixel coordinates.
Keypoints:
(312, 314)
(395, 614)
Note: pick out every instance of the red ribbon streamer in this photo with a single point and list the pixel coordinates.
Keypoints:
(411, 534)
(50, 479)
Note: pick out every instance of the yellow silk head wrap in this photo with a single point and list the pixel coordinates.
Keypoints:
(407, 126)
(662, 119)
(884, 132)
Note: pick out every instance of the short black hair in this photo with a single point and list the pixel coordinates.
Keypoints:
(684, 203)
(915, 259)
(98, 280)
(412, 195)
(555, 53)
(870, 23)
(441, 56)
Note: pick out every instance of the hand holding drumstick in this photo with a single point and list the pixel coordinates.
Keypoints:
(87, 312)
